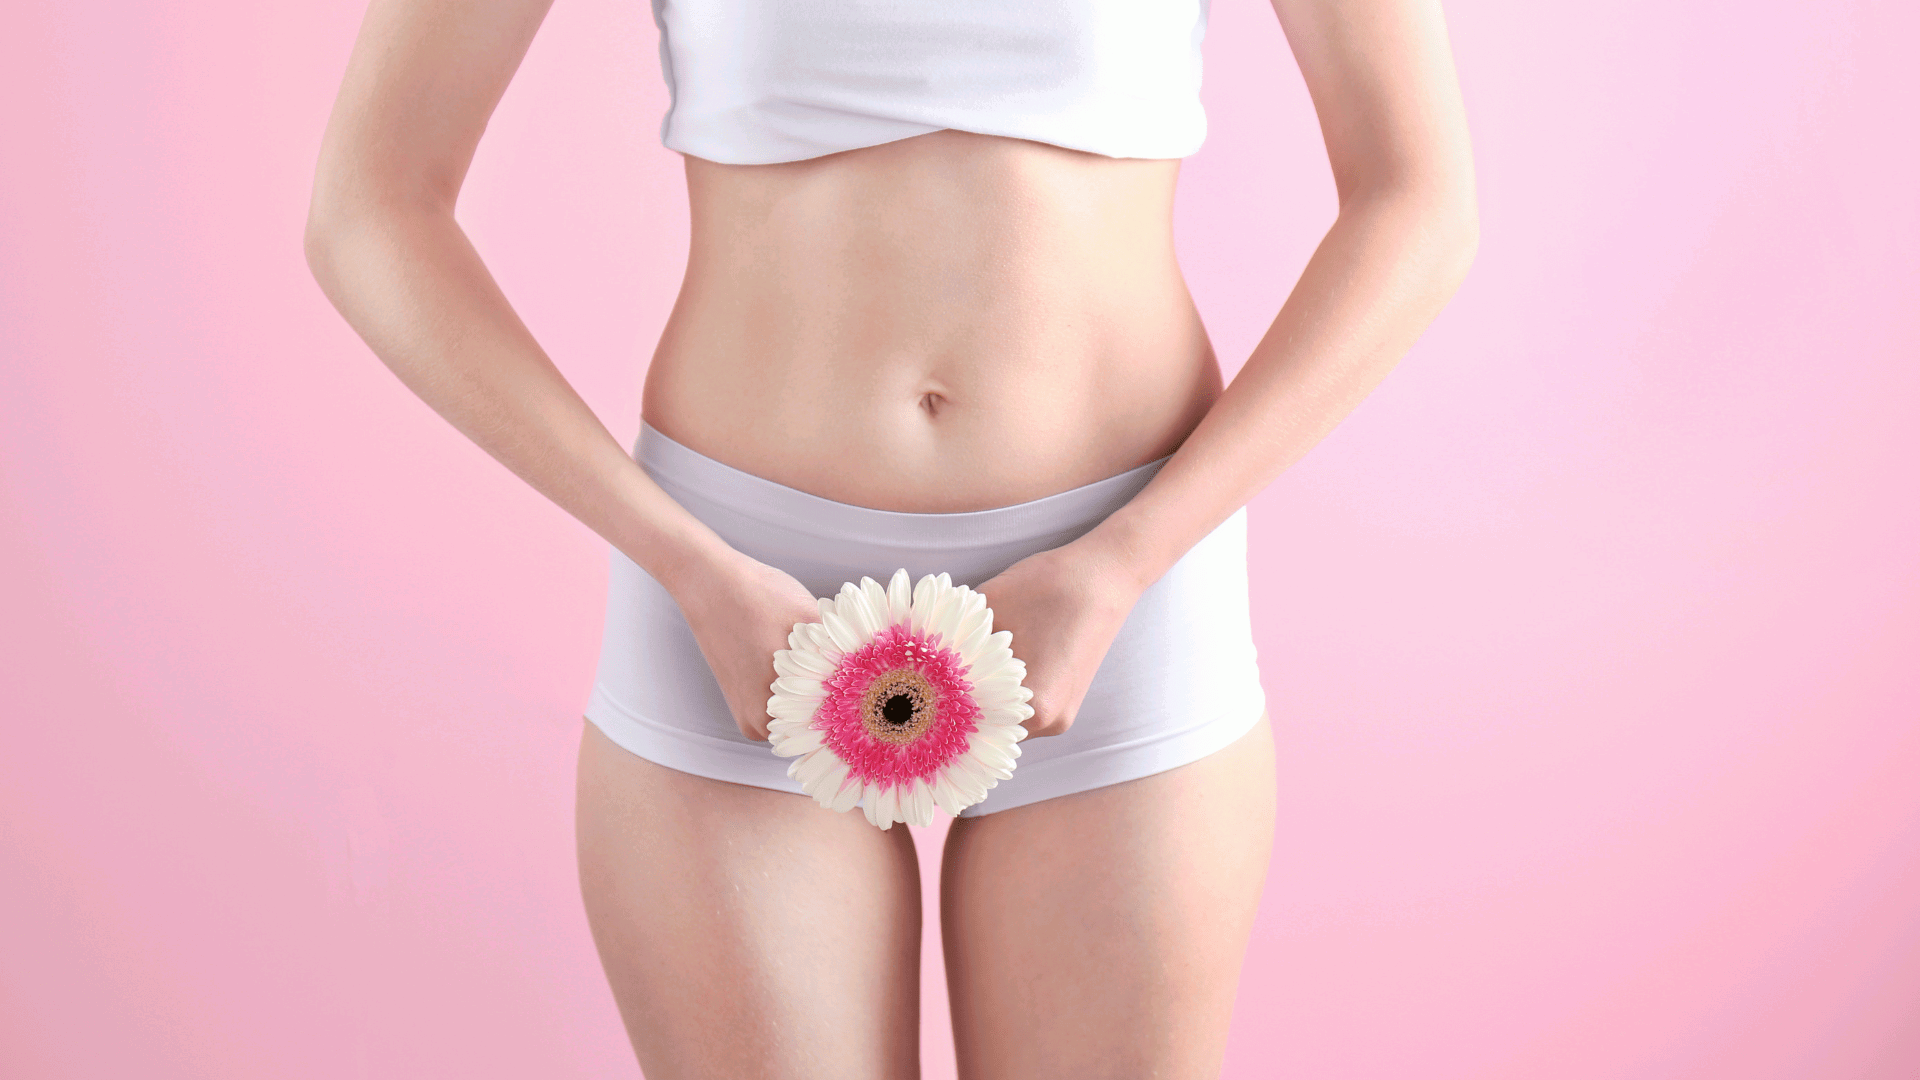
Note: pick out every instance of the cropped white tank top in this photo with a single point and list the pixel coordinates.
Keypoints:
(759, 81)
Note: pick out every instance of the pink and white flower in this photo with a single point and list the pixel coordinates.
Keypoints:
(900, 699)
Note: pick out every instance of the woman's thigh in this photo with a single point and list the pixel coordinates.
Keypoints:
(1101, 934)
(747, 932)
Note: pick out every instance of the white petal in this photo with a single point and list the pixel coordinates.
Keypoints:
(966, 791)
(799, 687)
(1000, 735)
(1007, 677)
(871, 805)
(846, 637)
(945, 795)
(818, 666)
(823, 643)
(1002, 706)
(1001, 771)
(782, 729)
(813, 767)
(874, 614)
(804, 741)
(847, 793)
(974, 795)
(882, 806)
(821, 637)
(972, 603)
(1016, 711)
(989, 758)
(786, 708)
(876, 595)
(921, 811)
(827, 793)
(922, 604)
(946, 615)
(804, 663)
(995, 656)
(973, 639)
(970, 633)
(972, 779)
(847, 604)
(899, 598)
(967, 773)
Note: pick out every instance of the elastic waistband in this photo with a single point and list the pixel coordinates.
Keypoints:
(693, 478)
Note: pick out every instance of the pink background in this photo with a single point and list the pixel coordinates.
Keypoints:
(1591, 638)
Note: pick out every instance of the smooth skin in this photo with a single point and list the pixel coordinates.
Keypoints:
(945, 323)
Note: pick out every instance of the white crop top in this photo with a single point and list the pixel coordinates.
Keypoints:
(760, 81)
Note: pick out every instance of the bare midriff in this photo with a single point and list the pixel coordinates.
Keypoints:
(945, 323)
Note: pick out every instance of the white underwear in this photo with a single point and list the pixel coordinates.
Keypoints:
(1179, 682)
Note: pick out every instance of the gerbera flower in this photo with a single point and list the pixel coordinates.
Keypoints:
(899, 699)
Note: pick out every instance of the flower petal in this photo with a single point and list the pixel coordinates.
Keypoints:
(803, 662)
(974, 777)
(799, 687)
(845, 636)
(847, 793)
(851, 605)
(804, 741)
(1000, 735)
(944, 617)
(973, 637)
(1002, 704)
(799, 710)
(923, 594)
(899, 598)
(778, 729)
(996, 762)
(827, 790)
(975, 623)
(812, 767)
(946, 795)
(920, 810)
(876, 596)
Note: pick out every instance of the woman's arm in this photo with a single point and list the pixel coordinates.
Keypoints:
(382, 240)
(1382, 80)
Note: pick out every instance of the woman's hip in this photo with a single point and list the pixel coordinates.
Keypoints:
(1179, 680)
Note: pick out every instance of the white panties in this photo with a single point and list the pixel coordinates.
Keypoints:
(1179, 682)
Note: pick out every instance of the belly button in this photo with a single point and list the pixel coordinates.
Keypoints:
(932, 403)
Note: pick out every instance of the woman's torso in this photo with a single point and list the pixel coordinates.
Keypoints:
(941, 323)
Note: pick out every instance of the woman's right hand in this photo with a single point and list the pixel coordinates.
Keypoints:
(741, 614)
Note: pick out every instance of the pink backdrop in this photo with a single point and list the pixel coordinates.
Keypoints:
(1591, 637)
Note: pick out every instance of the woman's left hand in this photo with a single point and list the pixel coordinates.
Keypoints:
(1064, 607)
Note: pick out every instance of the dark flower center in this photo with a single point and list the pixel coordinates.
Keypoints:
(898, 706)
(898, 709)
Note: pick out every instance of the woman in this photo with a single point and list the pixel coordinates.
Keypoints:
(931, 316)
